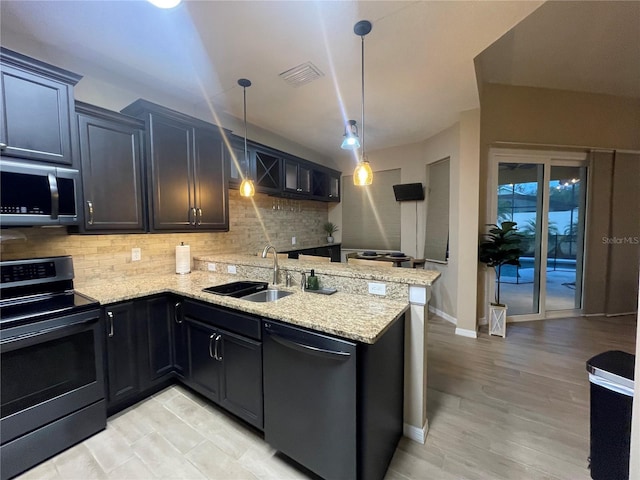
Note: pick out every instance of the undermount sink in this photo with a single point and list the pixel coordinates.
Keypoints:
(270, 295)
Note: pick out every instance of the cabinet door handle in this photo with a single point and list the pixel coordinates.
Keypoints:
(110, 316)
(176, 317)
(199, 217)
(217, 355)
(192, 216)
(90, 206)
(211, 339)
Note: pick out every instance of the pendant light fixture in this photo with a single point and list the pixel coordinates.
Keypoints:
(363, 175)
(351, 140)
(247, 189)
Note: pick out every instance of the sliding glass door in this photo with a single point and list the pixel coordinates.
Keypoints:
(545, 196)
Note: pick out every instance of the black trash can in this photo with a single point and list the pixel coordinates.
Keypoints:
(612, 383)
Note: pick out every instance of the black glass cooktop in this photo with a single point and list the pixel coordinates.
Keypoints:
(43, 307)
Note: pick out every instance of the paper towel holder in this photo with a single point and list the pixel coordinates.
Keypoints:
(183, 259)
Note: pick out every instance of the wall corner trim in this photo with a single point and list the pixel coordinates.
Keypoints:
(463, 332)
(441, 314)
(416, 434)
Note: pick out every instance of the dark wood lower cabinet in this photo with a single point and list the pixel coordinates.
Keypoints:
(139, 349)
(204, 370)
(225, 366)
(122, 357)
(241, 377)
(156, 340)
(180, 357)
(331, 251)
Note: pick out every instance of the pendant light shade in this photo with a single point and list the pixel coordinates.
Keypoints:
(363, 175)
(247, 189)
(351, 140)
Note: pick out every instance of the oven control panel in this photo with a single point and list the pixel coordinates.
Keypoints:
(29, 271)
(14, 273)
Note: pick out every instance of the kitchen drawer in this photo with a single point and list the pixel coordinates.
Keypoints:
(218, 317)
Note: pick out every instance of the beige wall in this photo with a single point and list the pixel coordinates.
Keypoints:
(543, 117)
(109, 256)
(459, 143)
(557, 117)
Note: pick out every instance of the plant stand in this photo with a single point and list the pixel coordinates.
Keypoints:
(498, 320)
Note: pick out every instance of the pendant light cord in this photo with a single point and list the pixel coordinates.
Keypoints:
(362, 63)
(246, 160)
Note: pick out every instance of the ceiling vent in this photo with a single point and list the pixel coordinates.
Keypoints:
(302, 74)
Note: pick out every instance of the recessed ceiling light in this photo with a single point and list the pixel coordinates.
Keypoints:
(165, 3)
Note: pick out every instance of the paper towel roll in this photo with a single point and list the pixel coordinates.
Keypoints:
(183, 259)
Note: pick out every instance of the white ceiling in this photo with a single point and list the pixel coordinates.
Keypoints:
(419, 66)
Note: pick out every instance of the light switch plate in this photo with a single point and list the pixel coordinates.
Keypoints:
(211, 267)
(377, 288)
(136, 254)
(231, 269)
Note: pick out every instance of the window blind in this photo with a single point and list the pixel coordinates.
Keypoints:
(371, 215)
(437, 223)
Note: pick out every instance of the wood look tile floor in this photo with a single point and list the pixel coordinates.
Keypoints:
(514, 408)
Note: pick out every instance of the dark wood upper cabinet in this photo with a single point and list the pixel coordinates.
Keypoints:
(267, 170)
(112, 173)
(325, 185)
(186, 174)
(211, 194)
(297, 176)
(278, 173)
(37, 110)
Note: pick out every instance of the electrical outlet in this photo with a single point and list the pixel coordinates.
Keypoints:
(136, 254)
(231, 269)
(211, 267)
(293, 240)
(377, 288)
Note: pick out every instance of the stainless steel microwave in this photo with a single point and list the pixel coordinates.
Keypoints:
(36, 195)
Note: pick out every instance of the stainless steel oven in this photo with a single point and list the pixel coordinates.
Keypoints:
(52, 390)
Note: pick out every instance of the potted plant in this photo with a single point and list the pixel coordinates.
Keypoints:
(330, 229)
(501, 246)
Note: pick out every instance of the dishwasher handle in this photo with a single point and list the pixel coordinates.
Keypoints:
(305, 348)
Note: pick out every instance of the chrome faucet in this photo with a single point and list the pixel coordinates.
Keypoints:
(275, 261)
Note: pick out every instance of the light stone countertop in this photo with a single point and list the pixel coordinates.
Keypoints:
(357, 317)
(407, 276)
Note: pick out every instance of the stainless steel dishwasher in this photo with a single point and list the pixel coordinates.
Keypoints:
(310, 402)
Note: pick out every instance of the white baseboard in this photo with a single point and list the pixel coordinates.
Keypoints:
(416, 434)
(444, 315)
(463, 332)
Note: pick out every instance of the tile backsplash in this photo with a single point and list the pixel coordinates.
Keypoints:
(252, 224)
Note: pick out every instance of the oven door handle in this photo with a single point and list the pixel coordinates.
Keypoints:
(31, 338)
